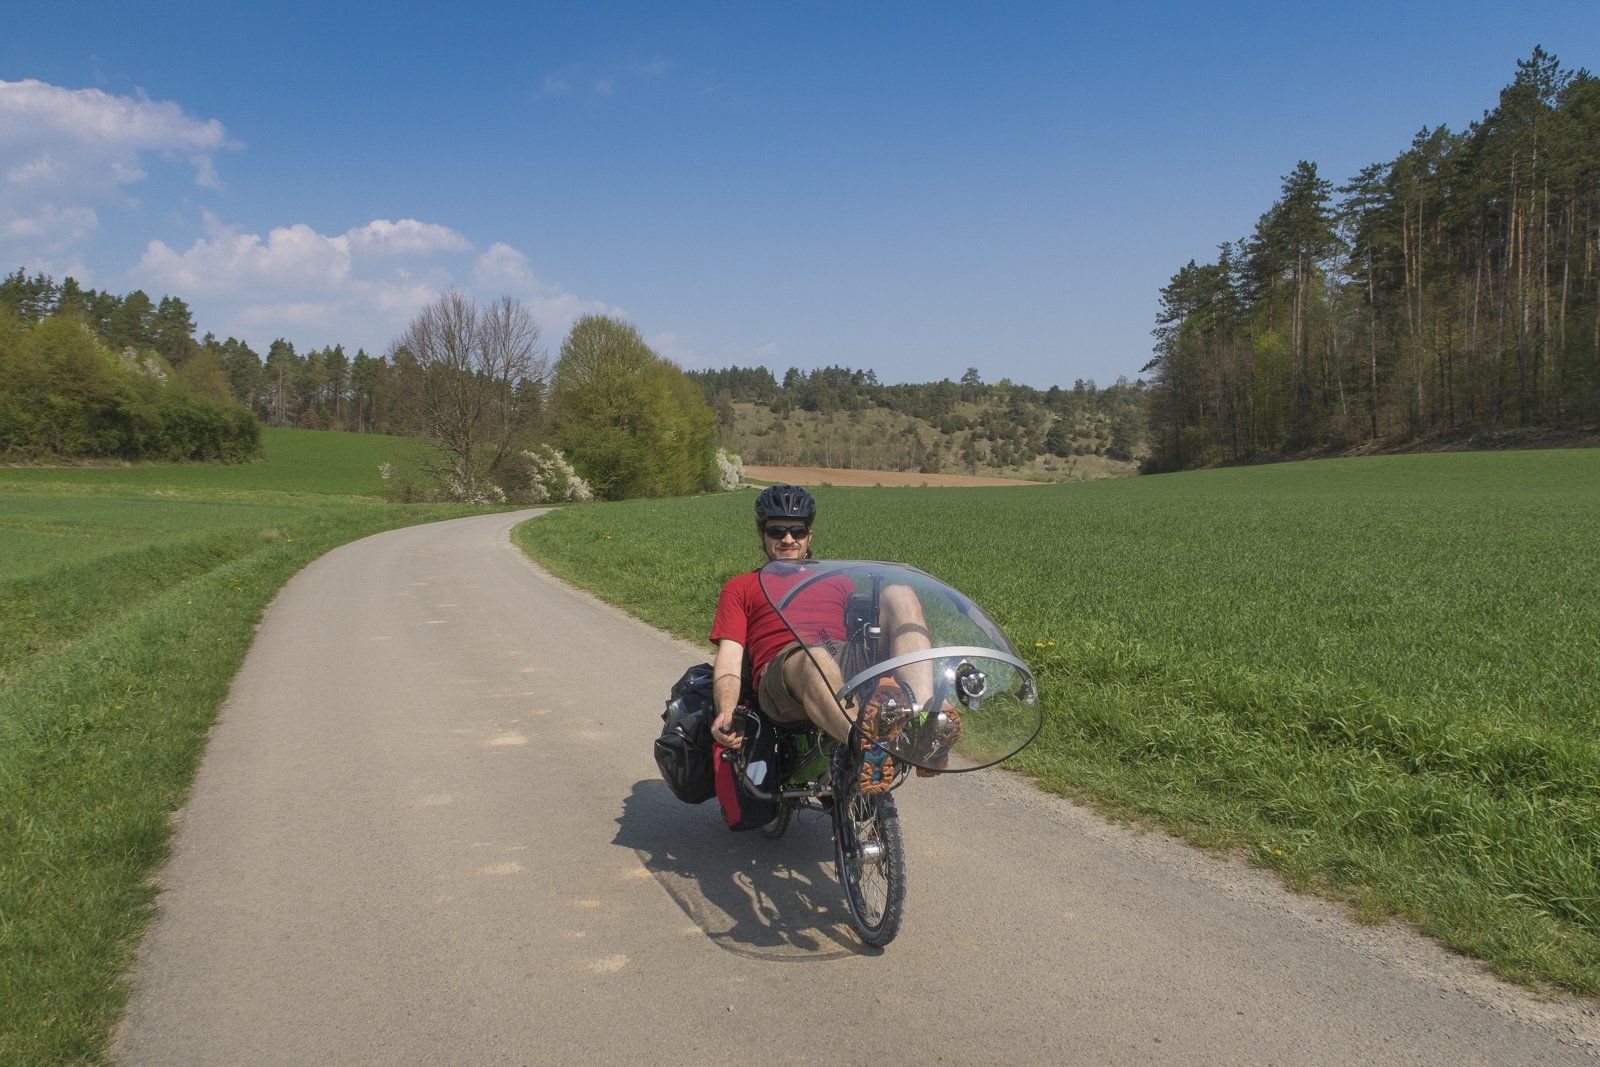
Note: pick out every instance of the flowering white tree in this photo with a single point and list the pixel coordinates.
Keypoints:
(730, 470)
(552, 478)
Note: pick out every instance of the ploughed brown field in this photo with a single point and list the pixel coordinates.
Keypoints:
(847, 476)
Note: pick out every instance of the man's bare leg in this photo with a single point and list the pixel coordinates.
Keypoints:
(815, 688)
(907, 630)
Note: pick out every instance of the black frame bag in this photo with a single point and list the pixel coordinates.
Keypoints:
(757, 760)
(683, 751)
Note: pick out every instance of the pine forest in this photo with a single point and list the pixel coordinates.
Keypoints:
(1447, 294)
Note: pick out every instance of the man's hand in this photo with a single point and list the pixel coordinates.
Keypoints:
(723, 732)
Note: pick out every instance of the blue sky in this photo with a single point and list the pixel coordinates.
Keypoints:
(910, 187)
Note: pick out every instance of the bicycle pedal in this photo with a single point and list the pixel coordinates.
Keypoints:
(892, 718)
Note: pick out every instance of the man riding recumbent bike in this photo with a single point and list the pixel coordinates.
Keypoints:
(920, 678)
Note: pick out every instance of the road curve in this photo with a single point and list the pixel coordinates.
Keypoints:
(428, 829)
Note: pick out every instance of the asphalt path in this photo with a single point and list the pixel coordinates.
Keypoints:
(428, 829)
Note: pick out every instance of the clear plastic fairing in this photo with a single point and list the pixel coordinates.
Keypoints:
(947, 687)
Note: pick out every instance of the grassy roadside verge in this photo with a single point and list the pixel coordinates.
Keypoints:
(124, 614)
(1375, 676)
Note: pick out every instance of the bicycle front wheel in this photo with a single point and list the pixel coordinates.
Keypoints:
(871, 858)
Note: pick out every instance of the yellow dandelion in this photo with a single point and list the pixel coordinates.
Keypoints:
(1038, 644)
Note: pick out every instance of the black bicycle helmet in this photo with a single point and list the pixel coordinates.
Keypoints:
(785, 502)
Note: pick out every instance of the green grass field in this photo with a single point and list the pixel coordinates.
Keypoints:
(1379, 676)
(128, 598)
(297, 461)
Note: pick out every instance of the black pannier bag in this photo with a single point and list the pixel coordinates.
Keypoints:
(683, 751)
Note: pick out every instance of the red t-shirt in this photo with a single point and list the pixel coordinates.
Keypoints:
(745, 615)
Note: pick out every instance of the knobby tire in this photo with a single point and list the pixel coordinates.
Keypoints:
(875, 892)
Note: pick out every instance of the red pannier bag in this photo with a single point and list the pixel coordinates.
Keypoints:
(757, 757)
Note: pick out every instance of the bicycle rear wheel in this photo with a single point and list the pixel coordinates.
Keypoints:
(869, 854)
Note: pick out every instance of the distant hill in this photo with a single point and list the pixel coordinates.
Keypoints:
(838, 417)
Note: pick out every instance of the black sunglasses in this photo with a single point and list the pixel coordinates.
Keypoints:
(799, 533)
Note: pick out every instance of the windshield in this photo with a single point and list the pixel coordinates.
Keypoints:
(903, 648)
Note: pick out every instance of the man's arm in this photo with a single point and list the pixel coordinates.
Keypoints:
(726, 682)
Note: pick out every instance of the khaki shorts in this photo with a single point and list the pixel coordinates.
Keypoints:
(777, 702)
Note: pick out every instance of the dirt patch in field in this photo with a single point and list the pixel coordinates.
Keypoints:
(846, 476)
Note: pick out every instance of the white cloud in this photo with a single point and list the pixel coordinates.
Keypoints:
(359, 287)
(51, 226)
(290, 259)
(504, 271)
(71, 153)
(505, 268)
(71, 158)
(95, 138)
(347, 319)
(584, 81)
(675, 347)
(406, 237)
(39, 171)
(678, 348)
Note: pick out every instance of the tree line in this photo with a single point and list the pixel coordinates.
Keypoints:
(475, 380)
(65, 394)
(1450, 291)
(616, 442)
(323, 388)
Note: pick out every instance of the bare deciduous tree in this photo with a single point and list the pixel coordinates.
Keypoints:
(472, 361)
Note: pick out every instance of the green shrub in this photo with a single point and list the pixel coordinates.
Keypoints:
(632, 423)
(64, 395)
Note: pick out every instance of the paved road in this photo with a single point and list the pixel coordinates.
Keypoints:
(428, 830)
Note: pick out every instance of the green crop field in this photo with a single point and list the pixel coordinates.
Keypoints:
(1379, 676)
(297, 461)
(128, 598)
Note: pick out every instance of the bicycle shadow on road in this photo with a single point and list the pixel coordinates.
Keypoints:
(770, 900)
